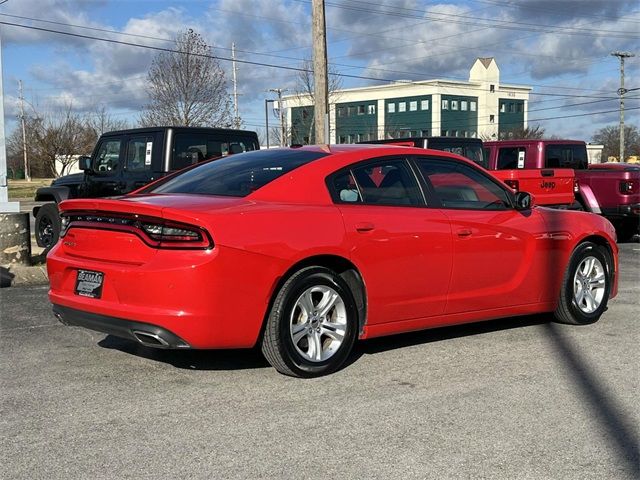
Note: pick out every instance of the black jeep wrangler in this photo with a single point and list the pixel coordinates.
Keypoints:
(125, 160)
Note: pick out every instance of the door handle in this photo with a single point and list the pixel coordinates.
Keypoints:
(364, 226)
(464, 232)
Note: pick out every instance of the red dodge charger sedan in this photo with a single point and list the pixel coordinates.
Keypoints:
(305, 250)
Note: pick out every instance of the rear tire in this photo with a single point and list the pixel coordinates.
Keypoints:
(47, 226)
(312, 325)
(586, 286)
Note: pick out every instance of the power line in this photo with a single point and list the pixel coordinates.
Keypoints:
(467, 20)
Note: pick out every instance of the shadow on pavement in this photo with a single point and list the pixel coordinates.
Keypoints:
(6, 277)
(190, 359)
(603, 407)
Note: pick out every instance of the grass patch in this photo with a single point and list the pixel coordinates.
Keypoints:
(21, 189)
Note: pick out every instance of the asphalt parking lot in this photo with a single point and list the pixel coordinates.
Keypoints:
(518, 398)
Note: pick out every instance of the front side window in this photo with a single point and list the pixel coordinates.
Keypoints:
(139, 151)
(108, 156)
(459, 186)
(237, 175)
(384, 183)
(510, 158)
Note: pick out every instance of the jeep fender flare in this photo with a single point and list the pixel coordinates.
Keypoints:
(50, 194)
(589, 199)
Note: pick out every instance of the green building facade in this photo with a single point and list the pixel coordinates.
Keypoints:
(408, 117)
(356, 121)
(510, 116)
(458, 116)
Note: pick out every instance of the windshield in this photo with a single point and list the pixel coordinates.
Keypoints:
(237, 175)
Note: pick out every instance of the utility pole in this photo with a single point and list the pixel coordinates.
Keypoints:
(320, 78)
(236, 116)
(27, 173)
(279, 91)
(621, 92)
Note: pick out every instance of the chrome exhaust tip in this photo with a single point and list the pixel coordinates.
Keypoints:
(150, 339)
(60, 318)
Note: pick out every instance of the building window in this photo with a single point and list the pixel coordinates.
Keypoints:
(351, 111)
(413, 106)
(473, 134)
(342, 139)
(443, 133)
(340, 111)
(492, 88)
(424, 133)
(391, 107)
(371, 109)
(453, 133)
(492, 118)
(360, 109)
(414, 133)
(445, 104)
(350, 138)
(454, 105)
(463, 105)
(520, 107)
(503, 108)
(512, 108)
(402, 107)
(472, 106)
(424, 105)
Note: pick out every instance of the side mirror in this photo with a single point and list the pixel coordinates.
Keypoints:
(523, 201)
(84, 163)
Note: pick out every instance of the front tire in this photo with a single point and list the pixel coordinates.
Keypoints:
(47, 226)
(586, 286)
(312, 325)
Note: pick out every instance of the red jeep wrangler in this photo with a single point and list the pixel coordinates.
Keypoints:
(611, 190)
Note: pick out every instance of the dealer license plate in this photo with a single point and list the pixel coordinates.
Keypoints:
(89, 283)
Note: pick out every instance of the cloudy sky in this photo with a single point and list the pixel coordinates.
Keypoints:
(559, 47)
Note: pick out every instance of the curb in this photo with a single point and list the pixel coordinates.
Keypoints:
(15, 275)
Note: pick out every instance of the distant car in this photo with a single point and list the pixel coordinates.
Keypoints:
(305, 250)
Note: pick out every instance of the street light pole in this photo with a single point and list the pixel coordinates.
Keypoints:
(621, 92)
(266, 116)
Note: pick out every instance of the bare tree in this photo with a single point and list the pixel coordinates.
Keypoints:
(187, 87)
(520, 133)
(305, 91)
(59, 138)
(610, 138)
(101, 121)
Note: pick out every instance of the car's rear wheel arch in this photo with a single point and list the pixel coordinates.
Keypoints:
(340, 265)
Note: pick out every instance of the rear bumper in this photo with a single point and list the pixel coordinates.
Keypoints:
(631, 210)
(144, 333)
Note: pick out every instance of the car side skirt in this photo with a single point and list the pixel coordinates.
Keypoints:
(383, 329)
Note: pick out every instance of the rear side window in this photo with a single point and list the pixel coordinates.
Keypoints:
(191, 148)
(385, 182)
(566, 156)
(139, 151)
(237, 175)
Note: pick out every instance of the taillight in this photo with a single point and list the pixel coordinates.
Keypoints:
(514, 184)
(628, 187)
(155, 232)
